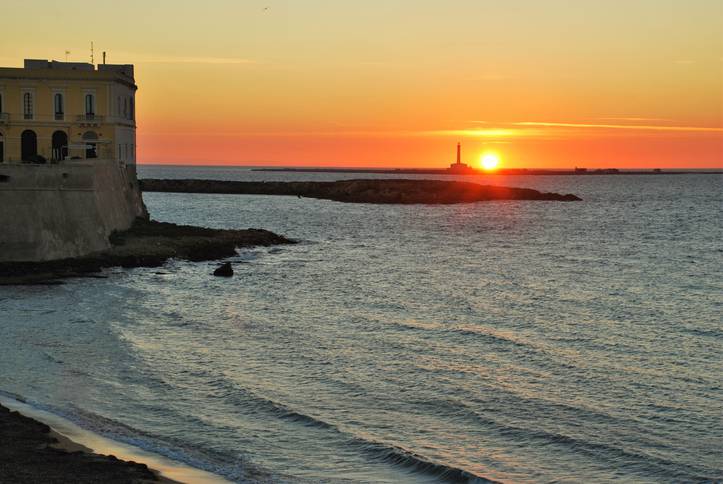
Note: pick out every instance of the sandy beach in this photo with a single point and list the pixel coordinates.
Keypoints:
(63, 452)
(39, 454)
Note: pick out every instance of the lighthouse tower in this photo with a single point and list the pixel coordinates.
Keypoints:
(459, 167)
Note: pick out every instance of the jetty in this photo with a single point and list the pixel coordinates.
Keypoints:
(384, 191)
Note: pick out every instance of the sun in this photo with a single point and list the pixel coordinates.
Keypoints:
(489, 161)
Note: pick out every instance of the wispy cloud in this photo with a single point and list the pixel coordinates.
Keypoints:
(638, 127)
(293, 133)
(634, 119)
(485, 132)
(195, 60)
(502, 133)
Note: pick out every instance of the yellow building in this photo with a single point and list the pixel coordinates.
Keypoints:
(53, 111)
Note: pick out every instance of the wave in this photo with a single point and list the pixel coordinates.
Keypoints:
(174, 449)
(492, 335)
(399, 456)
(385, 452)
(389, 453)
(395, 454)
(643, 463)
(218, 464)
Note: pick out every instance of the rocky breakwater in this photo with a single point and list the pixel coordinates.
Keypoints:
(401, 191)
(146, 244)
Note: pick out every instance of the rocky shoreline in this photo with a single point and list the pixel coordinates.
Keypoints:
(384, 191)
(31, 452)
(147, 244)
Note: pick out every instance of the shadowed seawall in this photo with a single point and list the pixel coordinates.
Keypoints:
(58, 211)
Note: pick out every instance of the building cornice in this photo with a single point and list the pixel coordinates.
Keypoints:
(50, 75)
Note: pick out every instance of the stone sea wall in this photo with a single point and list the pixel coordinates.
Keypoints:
(66, 210)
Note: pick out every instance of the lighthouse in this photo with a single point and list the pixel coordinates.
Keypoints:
(459, 167)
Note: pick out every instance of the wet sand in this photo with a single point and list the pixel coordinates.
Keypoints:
(31, 452)
(50, 449)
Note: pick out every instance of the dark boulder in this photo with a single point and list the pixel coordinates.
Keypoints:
(224, 270)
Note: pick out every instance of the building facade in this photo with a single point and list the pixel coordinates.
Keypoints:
(52, 112)
(67, 159)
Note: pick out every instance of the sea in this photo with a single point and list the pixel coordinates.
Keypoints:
(505, 341)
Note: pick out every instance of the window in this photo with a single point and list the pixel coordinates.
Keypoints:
(59, 109)
(133, 109)
(118, 112)
(89, 105)
(125, 107)
(1, 102)
(28, 105)
(120, 155)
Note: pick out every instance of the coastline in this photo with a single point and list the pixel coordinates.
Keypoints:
(57, 450)
(376, 191)
(501, 171)
(147, 244)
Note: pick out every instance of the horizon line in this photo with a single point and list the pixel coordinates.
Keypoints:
(389, 167)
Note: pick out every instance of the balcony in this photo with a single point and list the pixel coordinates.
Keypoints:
(90, 120)
(4, 118)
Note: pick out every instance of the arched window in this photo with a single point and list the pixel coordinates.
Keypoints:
(59, 108)
(89, 105)
(28, 105)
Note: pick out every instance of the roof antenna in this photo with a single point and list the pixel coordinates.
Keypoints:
(67, 53)
(92, 59)
(103, 57)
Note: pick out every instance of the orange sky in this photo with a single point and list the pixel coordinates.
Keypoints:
(397, 83)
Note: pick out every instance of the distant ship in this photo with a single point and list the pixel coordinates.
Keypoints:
(459, 167)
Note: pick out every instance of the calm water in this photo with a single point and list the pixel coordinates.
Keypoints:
(513, 341)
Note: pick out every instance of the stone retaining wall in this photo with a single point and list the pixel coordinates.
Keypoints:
(65, 210)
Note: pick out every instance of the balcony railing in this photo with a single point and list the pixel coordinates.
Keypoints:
(87, 119)
(90, 119)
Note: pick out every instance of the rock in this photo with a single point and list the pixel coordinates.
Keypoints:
(224, 270)
(147, 244)
(395, 191)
